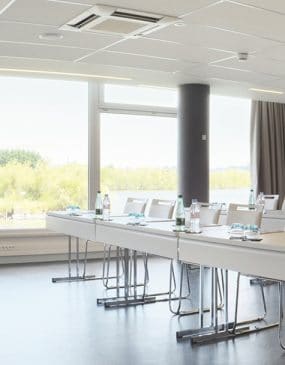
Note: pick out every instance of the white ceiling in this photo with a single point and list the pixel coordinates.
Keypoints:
(203, 50)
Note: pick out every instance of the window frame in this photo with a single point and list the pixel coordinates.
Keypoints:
(97, 105)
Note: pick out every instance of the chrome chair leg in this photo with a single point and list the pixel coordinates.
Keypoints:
(104, 261)
(85, 259)
(236, 304)
(237, 301)
(263, 299)
(281, 294)
(107, 277)
(147, 272)
(188, 279)
(220, 287)
(178, 309)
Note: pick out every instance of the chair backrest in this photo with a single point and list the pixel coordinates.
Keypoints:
(239, 213)
(271, 202)
(283, 205)
(209, 215)
(135, 205)
(161, 208)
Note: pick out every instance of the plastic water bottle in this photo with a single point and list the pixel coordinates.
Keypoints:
(106, 208)
(251, 200)
(195, 216)
(260, 201)
(99, 205)
(180, 213)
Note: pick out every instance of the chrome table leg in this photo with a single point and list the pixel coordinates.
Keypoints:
(77, 277)
(226, 330)
(201, 297)
(128, 299)
(281, 303)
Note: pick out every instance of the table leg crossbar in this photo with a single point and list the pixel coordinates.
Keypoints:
(77, 276)
(226, 330)
(130, 286)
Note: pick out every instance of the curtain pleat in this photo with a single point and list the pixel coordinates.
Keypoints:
(268, 147)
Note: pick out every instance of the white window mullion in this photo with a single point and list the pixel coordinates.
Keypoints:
(94, 143)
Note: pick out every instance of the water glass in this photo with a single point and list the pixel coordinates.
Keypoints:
(132, 218)
(237, 230)
(252, 232)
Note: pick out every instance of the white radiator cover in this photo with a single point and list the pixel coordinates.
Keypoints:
(45, 247)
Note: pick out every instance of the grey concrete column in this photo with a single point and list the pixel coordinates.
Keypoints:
(193, 142)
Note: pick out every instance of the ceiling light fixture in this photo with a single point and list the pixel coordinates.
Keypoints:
(51, 36)
(266, 91)
(5, 7)
(66, 74)
(180, 24)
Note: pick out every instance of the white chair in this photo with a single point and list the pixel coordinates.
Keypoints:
(209, 215)
(239, 213)
(271, 202)
(283, 205)
(135, 205)
(161, 209)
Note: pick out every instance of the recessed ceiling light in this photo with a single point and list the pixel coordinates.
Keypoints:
(51, 36)
(6, 5)
(266, 91)
(180, 24)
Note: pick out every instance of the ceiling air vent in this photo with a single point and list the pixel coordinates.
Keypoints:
(125, 22)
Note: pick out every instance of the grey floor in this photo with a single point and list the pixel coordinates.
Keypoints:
(60, 324)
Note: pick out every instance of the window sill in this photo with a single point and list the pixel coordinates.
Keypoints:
(27, 232)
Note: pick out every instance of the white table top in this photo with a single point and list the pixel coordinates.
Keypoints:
(85, 216)
(220, 234)
(154, 226)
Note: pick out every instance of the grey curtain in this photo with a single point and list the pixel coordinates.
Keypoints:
(268, 147)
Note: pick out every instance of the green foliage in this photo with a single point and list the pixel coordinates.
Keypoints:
(24, 189)
(21, 156)
(165, 179)
(138, 179)
(31, 185)
(230, 179)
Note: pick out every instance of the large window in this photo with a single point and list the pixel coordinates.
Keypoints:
(138, 152)
(138, 157)
(229, 149)
(43, 148)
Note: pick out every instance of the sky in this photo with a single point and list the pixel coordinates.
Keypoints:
(51, 117)
(47, 116)
(229, 131)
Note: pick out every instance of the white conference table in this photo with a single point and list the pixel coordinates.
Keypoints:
(156, 237)
(80, 226)
(212, 248)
